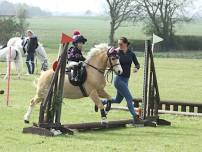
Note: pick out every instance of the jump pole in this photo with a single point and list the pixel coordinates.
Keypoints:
(151, 96)
(53, 100)
(9, 77)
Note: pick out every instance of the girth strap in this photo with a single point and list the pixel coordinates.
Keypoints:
(83, 90)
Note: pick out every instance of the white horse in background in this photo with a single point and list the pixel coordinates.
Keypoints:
(12, 54)
(17, 43)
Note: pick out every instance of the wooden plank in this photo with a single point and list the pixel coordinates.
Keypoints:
(99, 125)
(59, 93)
(175, 102)
(46, 132)
(145, 84)
(180, 113)
(37, 131)
(164, 112)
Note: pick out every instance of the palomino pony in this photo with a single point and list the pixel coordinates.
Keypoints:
(17, 42)
(99, 58)
(15, 57)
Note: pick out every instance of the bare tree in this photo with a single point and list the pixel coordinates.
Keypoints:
(163, 16)
(22, 16)
(120, 11)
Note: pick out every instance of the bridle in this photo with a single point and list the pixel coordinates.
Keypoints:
(110, 53)
(114, 54)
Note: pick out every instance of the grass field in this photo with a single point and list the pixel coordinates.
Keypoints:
(178, 79)
(96, 29)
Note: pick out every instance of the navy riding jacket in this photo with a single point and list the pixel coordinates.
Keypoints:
(32, 44)
(126, 60)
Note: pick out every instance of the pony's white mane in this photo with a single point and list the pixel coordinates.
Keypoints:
(97, 50)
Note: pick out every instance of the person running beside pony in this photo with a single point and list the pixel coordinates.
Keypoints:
(127, 57)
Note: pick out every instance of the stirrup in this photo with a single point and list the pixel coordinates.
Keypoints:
(108, 106)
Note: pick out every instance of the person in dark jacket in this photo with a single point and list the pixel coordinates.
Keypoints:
(32, 44)
(127, 57)
(75, 53)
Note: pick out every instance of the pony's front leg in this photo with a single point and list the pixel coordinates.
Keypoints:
(103, 94)
(18, 69)
(95, 97)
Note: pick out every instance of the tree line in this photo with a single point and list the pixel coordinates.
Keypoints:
(13, 19)
(159, 16)
(7, 8)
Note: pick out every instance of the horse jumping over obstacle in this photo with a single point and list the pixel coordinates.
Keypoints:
(52, 95)
(98, 59)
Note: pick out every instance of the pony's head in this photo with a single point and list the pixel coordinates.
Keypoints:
(113, 61)
(110, 54)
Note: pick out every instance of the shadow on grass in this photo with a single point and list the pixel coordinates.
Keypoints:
(101, 134)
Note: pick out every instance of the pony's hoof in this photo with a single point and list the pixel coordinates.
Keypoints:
(56, 132)
(104, 121)
(26, 121)
(96, 108)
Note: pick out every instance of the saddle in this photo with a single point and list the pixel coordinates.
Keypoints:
(81, 76)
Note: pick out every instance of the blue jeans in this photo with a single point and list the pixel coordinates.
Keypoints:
(121, 84)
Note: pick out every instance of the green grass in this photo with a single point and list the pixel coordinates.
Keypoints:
(192, 28)
(179, 79)
(96, 30)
